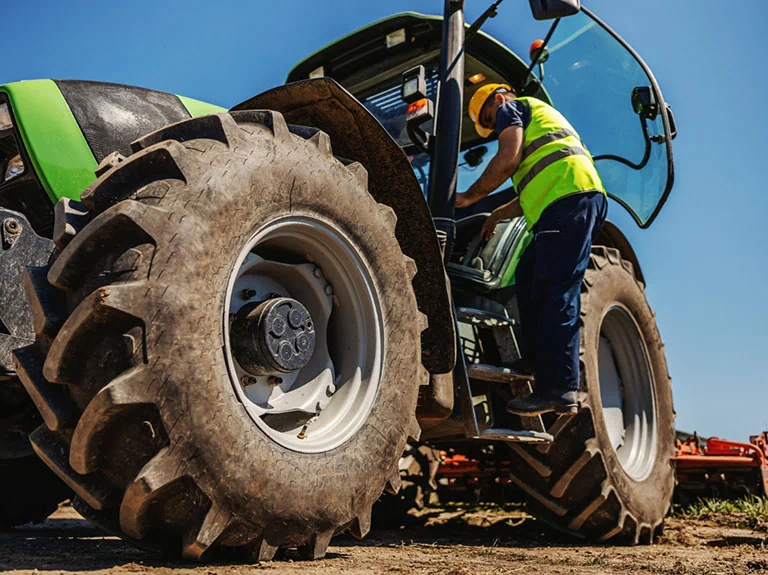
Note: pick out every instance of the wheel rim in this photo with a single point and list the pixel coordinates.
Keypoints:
(627, 393)
(321, 405)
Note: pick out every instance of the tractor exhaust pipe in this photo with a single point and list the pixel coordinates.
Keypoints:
(444, 166)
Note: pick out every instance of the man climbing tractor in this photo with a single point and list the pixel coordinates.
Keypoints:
(564, 203)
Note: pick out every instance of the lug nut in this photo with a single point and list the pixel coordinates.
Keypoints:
(329, 289)
(278, 326)
(274, 381)
(303, 342)
(295, 318)
(285, 351)
(12, 226)
(247, 380)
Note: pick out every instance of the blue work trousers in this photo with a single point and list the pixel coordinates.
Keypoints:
(548, 280)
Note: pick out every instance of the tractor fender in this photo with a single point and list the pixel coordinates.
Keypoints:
(358, 136)
(612, 237)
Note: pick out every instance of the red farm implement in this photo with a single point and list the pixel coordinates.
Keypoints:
(720, 468)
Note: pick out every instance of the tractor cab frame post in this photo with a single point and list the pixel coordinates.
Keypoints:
(444, 165)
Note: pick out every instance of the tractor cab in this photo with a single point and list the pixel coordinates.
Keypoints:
(583, 68)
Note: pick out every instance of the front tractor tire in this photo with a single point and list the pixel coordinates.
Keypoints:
(212, 229)
(608, 474)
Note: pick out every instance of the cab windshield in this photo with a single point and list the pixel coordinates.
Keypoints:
(590, 76)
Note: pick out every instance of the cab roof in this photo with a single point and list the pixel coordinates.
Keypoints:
(368, 57)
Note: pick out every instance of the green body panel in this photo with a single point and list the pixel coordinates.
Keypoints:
(198, 108)
(508, 275)
(54, 142)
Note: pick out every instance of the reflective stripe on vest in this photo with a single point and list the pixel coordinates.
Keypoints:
(547, 138)
(554, 163)
(547, 161)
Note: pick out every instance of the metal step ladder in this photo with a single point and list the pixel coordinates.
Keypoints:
(533, 427)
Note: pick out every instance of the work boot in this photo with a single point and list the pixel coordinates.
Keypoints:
(562, 402)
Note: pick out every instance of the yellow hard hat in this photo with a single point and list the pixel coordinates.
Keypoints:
(476, 104)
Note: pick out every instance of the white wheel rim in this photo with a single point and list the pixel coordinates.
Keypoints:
(320, 406)
(627, 393)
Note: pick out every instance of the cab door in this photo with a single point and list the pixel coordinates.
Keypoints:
(612, 99)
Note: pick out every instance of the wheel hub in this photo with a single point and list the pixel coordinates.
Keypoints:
(273, 336)
(303, 334)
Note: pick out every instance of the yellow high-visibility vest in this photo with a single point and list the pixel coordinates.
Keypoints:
(555, 163)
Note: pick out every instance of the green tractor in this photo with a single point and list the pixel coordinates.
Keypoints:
(221, 328)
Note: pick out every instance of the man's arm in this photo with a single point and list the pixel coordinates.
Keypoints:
(499, 169)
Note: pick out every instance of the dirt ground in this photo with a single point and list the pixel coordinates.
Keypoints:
(458, 542)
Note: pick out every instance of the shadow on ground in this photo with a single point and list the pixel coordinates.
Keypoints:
(69, 543)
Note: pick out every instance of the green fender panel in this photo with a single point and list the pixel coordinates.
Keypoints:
(55, 145)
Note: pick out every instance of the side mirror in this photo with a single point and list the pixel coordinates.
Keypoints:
(551, 9)
(644, 102)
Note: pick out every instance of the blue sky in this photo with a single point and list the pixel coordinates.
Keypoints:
(704, 258)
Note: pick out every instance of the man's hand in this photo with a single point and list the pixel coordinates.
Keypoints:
(490, 225)
(507, 211)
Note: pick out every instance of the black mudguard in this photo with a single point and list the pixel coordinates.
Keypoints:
(357, 135)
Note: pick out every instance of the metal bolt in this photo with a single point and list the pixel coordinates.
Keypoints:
(318, 273)
(302, 342)
(285, 350)
(294, 318)
(247, 380)
(12, 226)
(278, 326)
(330, 390)
(329, 289)
(274, 381)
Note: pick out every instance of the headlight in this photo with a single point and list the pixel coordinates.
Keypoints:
(15, 168)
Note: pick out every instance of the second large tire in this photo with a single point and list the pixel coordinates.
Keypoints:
(608, 474)
(158, 445)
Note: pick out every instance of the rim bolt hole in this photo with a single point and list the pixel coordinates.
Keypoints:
(248, 293)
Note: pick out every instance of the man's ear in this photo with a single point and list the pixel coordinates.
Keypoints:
(499, 98)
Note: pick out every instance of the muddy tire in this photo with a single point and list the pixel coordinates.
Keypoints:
(608, 473)
(158, 434)
(30, 491)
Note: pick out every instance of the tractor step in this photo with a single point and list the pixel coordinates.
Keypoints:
(483, 318)
(515, 436)
(496, 374)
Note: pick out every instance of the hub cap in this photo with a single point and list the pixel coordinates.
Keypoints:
(274, 336)
(627, 393)
(304, 334)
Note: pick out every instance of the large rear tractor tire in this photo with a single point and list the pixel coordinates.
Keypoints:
(238, 338)
(608, 473)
